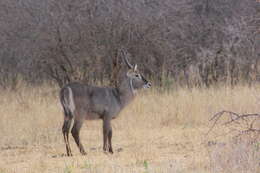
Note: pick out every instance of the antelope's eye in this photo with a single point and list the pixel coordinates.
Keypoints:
(137, 75)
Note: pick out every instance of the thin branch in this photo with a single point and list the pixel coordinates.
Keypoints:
(244, 117)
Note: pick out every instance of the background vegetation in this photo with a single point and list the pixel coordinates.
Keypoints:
(191, 43)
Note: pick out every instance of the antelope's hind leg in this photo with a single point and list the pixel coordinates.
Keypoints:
(65, 131)
(110, 141)
(75, 133)
(107, 135)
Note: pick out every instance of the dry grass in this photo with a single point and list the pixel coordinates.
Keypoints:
(158, 132)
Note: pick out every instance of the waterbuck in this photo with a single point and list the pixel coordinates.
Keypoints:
(85, 102)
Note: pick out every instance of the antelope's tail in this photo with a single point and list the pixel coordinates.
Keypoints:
(67, 102)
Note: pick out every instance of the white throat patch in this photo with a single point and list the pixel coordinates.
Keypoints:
(132, 87)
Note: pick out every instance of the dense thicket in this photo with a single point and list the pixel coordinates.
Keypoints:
(189, 42)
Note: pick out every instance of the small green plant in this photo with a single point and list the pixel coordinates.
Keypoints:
(86, 165)
(257, 146)
(68, 169)
(145, 166)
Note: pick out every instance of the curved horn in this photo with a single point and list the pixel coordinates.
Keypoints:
(125, 56)
(135, 68)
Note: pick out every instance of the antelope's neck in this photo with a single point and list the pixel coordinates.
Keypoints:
(126, 92)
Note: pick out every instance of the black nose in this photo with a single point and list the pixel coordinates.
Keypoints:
(149, 84)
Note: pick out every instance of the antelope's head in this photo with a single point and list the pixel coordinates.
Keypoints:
(137, 80)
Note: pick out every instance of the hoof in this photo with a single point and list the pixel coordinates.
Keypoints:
(84, 153)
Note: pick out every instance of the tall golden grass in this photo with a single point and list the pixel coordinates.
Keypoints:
(158, 132)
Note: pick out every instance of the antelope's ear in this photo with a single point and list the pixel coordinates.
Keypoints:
(135, 67)
(130, 73)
